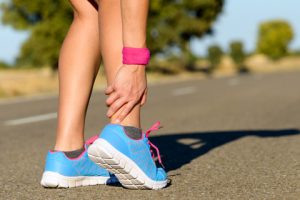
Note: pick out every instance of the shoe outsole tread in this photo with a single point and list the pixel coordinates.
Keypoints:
(127, 172)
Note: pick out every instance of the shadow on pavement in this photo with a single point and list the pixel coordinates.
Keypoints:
(181, 148)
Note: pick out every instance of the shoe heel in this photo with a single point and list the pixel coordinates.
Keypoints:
(127, 172)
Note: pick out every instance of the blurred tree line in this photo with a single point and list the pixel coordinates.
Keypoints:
(273, 40)
(236, 52)
(171, 26)
(274, 37)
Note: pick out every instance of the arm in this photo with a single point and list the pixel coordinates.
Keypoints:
(134, 20)
(130, 85)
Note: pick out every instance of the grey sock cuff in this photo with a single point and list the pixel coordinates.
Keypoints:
(75, 153)
(133, 132)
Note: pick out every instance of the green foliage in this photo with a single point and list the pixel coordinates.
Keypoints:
(274, 38)
(214, 55)
(4, 65)
(237, 54)
(170, 24)
(174, 23)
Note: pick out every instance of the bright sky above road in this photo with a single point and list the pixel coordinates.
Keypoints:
(239, 20)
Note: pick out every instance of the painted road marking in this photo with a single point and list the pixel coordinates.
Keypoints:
(16, 100)
(31, 119)
(184, 91)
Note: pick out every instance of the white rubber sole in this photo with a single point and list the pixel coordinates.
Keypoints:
(127, 172)
(55, 180)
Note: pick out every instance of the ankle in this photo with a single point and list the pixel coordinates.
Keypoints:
(133, 123)
(69, 146)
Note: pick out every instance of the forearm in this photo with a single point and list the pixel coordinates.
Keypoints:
(128, 91)
(134, 22)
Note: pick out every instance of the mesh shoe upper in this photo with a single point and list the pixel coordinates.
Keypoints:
(57, 161)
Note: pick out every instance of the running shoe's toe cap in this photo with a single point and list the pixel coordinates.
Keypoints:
(161, 174)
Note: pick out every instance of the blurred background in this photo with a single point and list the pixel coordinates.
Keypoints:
(203, 38)
(224, 78)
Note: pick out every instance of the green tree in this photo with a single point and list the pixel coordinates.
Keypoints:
(274, 37)
(4, 65)
(214, 55)
(237, 54)
(171, 24)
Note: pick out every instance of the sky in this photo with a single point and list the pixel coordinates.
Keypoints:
(239, 21)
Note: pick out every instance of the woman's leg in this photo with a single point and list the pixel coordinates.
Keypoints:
(128, 157)
(111, 43)
(78, 66)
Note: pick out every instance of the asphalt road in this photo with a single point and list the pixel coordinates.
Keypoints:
(227, 138)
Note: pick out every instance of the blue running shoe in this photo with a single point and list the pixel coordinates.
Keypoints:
(131, 160)
(63, 172)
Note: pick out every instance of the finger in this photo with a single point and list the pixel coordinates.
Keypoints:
(111, 98)
(115, 107)
(109, 90)
(126, 110)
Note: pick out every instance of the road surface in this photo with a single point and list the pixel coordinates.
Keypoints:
(226, 138)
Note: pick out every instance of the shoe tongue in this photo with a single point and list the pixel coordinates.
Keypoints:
(133, 132)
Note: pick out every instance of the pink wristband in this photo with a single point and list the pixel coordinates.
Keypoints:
(135, 56)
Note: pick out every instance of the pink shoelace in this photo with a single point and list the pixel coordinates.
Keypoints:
(154, 127)
(91, 140)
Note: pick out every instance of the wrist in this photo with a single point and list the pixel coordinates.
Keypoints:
(135, 56)
(135, 68)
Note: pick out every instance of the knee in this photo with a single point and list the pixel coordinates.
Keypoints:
(84, 9)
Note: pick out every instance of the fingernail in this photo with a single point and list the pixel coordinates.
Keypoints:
(117, 121)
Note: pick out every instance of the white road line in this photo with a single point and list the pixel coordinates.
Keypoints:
(31, 119)
(16, 100)
(184, 91)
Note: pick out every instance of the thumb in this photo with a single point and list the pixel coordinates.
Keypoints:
(109, 90)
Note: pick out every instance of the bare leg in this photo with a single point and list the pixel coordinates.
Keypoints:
(135, 171)
(78, 66)
(111, 43)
